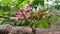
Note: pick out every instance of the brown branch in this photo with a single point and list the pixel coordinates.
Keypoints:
(29, 24)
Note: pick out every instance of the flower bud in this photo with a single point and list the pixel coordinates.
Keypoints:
(38, 12)
(14, 18)
(16, 13)
(45, 13)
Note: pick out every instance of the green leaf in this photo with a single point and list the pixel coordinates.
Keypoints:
(32, 12)
(42, 25)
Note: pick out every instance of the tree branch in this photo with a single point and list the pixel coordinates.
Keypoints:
(4, 17)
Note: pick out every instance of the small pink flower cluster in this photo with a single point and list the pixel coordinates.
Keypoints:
(21, 15)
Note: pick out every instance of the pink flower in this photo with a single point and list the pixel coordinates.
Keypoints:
(28, 8)
(28, 15)
(21, 16)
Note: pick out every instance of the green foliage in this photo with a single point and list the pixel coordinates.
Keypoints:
(36, 2)
(42, 25)
(6, 7)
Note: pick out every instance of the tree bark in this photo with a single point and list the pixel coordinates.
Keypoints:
(9, 29)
